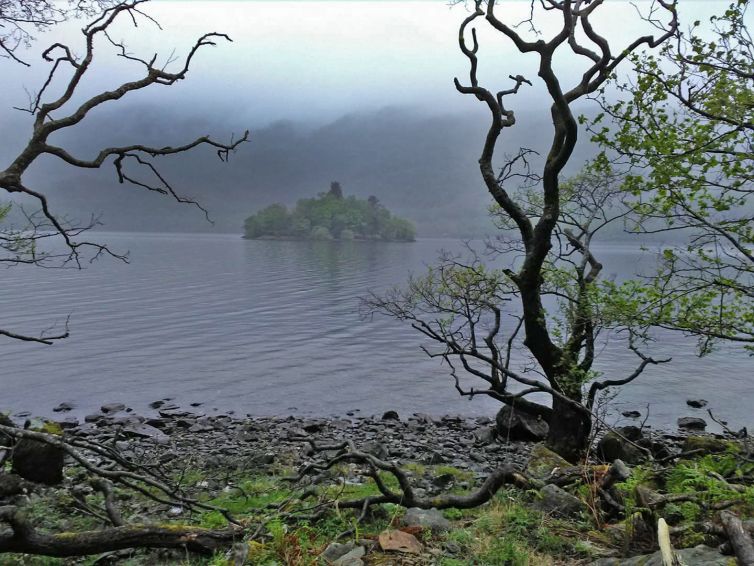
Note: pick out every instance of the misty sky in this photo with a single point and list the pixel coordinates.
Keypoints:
(311, 64)
(316, 61)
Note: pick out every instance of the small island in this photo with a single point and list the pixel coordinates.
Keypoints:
(330, 216)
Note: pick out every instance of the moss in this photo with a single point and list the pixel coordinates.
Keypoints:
(460, 475)
(709, 444)
(543, 461)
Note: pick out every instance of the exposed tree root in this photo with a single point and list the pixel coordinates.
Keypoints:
(406, 495)
(26, 539)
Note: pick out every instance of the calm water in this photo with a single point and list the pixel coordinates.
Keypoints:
(266, 327)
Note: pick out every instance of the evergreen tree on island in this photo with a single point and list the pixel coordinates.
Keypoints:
(330, 216)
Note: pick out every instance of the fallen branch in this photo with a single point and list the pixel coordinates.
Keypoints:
(26, 539)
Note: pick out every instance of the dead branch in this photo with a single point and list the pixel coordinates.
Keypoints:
(53, 114)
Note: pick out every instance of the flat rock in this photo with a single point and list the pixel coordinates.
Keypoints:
(351, 558)
(698, 556)
(557, 501)
(543, 462)
(145, 431)
(400, 542)
(336, 550)
(696, 403)
(431, 519)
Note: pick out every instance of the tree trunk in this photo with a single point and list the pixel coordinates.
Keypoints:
(569, 430)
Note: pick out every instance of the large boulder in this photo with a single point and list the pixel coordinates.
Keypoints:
(543, 462)
(515, 424)
(616, 446)
(557, 501)
(431, 519)
(630, 445)
(38, 461)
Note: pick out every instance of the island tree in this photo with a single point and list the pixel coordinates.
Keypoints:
(683, 134)
(330, 216)
(553, 229)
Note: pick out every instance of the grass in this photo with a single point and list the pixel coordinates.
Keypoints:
(505, 531)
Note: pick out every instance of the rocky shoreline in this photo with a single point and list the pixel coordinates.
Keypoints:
(219, 439)
(475, 444)
(244, 463)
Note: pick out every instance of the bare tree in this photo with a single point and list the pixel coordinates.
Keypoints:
(471, 308)
(562, 360)
(569, 424)
(134, 164)
(20, 19)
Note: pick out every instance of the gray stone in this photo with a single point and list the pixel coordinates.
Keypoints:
(336, 550)
(631, 414)
(618, 446)
(376, 449)
(513, 424)
(698, 556)
(557, 501)
(696, 403)
(352, 558)
(127, 420)
(431, 519)
(434, 459)
(485, 435)
(63, 408)
(390, 416)
(314, 426)
(109, 408)
(692, 423)
(145, 431)
(68, 423)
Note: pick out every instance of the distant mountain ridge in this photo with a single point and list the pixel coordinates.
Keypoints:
(422, 167)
